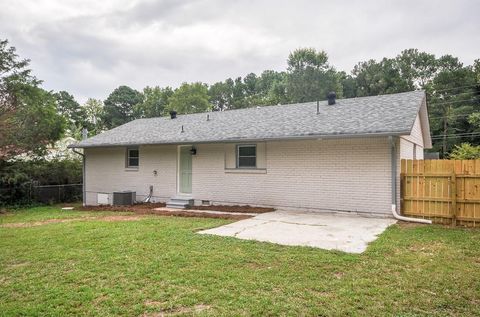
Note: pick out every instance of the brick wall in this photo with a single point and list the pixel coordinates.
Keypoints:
(340, 174)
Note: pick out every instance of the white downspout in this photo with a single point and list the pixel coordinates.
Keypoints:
(395, 214)
(84, 199)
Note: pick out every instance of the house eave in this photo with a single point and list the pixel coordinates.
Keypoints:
(241, 140)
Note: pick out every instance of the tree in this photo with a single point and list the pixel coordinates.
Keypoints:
(28, 118)
(376, 78)
(418, 68)
(119, 106)
(465, 151)
(270, 89)
(71, 110)
(476, 69)
(349, 85)
(310, 77)
(220, 95)
(155, 100)
(451, 99)
(190, 98)
(94, 112)
(238, 93)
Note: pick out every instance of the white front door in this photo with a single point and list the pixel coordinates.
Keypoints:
(184, 170)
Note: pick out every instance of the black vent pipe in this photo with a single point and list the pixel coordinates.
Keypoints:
(331, 98)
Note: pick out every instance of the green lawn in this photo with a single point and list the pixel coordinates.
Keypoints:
(159, 265)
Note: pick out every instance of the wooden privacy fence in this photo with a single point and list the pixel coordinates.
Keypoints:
(446, 191)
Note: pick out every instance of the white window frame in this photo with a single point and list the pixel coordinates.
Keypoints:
(238, 156)
(127, 162)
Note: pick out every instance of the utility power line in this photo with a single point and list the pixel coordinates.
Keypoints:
(453, 115)
(459, 87)
(459, 135)
(450, 102)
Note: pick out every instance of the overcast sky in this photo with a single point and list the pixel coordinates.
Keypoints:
(90, 47)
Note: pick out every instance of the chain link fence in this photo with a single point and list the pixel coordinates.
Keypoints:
(49, 194)
(32, 192)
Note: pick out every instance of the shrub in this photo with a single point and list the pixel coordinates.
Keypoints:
(17, 178)
(465, 151)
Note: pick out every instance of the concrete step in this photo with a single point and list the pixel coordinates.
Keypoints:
(177, 205)
(180, 202)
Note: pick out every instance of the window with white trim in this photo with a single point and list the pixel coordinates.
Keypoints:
(133, 158)
(247, 156)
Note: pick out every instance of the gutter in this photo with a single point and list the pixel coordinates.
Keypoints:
(396, 215)
(240, 140)
(84, 192)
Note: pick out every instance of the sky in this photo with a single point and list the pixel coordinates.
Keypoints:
(90, 47)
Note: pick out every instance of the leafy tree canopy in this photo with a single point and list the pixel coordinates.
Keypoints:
(119, 106)
(71, 110)
(190, 98)
(93, 114)
(154, 103)
(310, 77)
(28, 118)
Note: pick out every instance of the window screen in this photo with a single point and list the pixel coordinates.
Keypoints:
(246, 156)
(132, 158)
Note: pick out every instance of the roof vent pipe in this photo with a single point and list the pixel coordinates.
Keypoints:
(331, 98)
(318, 107)
(173, 114)
(208, 117)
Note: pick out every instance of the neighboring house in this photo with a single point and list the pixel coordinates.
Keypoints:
(307, 156)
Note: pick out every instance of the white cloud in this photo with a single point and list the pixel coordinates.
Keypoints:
(90, 47)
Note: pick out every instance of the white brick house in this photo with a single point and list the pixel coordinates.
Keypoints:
(303, 156)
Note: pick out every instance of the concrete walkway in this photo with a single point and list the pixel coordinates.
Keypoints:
(344, 232)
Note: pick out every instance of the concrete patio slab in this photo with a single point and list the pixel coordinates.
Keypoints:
(344, 232)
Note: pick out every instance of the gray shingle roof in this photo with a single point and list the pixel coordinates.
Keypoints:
(378, 115)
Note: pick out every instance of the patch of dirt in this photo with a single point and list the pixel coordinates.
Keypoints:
(179, 311)
(119, 218)
(235, 208)
(338, 275)
(39, 223)
(429, 249)
(19, 264)
(148, 209)
(406, 224)
(144, 208)
(134, 208)
(152, 303)
(46, 222)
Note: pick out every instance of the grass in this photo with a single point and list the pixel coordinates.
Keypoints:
(159, 265)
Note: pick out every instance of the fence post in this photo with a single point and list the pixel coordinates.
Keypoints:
(453, 195)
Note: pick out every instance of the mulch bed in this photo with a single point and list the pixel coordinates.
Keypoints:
(134, 208)
(148, 209)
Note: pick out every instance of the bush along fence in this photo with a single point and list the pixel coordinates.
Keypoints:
(49, 194)
(446, 191)
(29, 193)
(39, 180)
